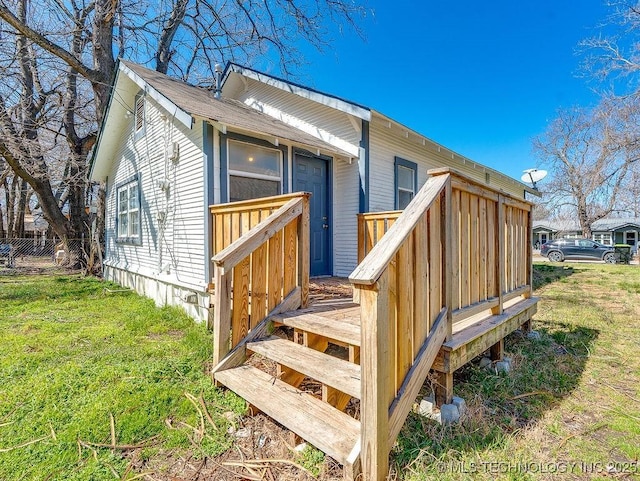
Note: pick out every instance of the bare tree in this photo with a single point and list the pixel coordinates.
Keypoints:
(184, 38)
(590, 154)
(614, 54)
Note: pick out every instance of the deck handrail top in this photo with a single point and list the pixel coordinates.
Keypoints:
(377, 260)
(241, 205)
(382, 214)
(475, 182)
(231, 255)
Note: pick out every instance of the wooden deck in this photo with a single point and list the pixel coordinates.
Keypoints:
(436, 285)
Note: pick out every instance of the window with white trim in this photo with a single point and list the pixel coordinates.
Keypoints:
(603, 238)
(254, 171)
(128, 199)
(406, 180)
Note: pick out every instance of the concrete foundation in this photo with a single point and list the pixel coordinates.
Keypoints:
(447, 414)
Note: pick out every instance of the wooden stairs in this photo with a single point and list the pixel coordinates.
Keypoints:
(436, 284)
(322, 349)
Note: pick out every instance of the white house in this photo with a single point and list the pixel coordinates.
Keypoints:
(167, 150)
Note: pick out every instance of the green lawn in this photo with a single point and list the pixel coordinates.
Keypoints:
(571, 405)
(82, 367)
(77, 360)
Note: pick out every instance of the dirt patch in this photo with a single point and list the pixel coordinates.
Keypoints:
(329, 288)
(262, 449)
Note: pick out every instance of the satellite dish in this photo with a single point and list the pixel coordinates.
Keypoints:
(533, 176)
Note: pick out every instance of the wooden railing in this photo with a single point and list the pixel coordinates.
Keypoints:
(402, 284)
(460, 248)
(371, 227)
(491, 259)
(261, 267)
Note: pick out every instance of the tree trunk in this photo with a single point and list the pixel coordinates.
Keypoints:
(104, 63)
(165, 44)
(18, 226)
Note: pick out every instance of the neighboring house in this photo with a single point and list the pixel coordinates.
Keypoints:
(167, 150)
(605, 231)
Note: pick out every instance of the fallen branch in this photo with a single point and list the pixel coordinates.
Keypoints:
(253, 476)
(194, 401)
(112, 425)
(527, 394)
(24, 445)
(582, 433)
(206, 413)
(620, 391)
(620, 413)
(121, 447)
(257, 463)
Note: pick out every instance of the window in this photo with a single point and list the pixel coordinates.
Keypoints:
(139, 120)
(254, 171)
(406, 180)
(128, 220)
(603, 238)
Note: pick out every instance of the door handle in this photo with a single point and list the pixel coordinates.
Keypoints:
(325, 226)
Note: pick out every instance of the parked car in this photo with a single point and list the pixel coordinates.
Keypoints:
(560, 249)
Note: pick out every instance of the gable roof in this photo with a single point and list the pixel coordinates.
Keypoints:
(602, 225)
(186, 102)
(352, 108)
(323, 98)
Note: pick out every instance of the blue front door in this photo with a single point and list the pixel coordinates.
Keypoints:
(311, 174)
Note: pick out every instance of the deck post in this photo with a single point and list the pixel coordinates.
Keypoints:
(304, 256)
(222, 314)
(497, 351)
(447, 256)
(444, 388)
(376, 377)
(529, 294)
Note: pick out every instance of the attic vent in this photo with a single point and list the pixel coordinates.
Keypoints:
(139, 113)
(487, 178)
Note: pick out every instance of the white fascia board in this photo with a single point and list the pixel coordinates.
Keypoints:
(98, 171)
(307, 93)
(328, 137)
(183, 117)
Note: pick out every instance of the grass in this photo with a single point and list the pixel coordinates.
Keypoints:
(77, 360)
(570, 406)
(75, 357)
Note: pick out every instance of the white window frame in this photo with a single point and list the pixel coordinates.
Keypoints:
(599, 237)
(253, 175)
(126, 187)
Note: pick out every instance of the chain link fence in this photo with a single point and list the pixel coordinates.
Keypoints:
(40, 255)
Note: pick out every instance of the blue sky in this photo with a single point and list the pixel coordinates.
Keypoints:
(482, 78)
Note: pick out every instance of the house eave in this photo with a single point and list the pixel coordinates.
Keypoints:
(180, 115)
(329, 100)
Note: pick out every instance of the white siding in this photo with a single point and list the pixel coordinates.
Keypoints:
(346, 200)
(388, 141)
(171, 255)
(321, 121)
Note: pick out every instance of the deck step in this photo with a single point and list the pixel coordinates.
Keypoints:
(329, 370)
(328, 429)
(343, 330)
